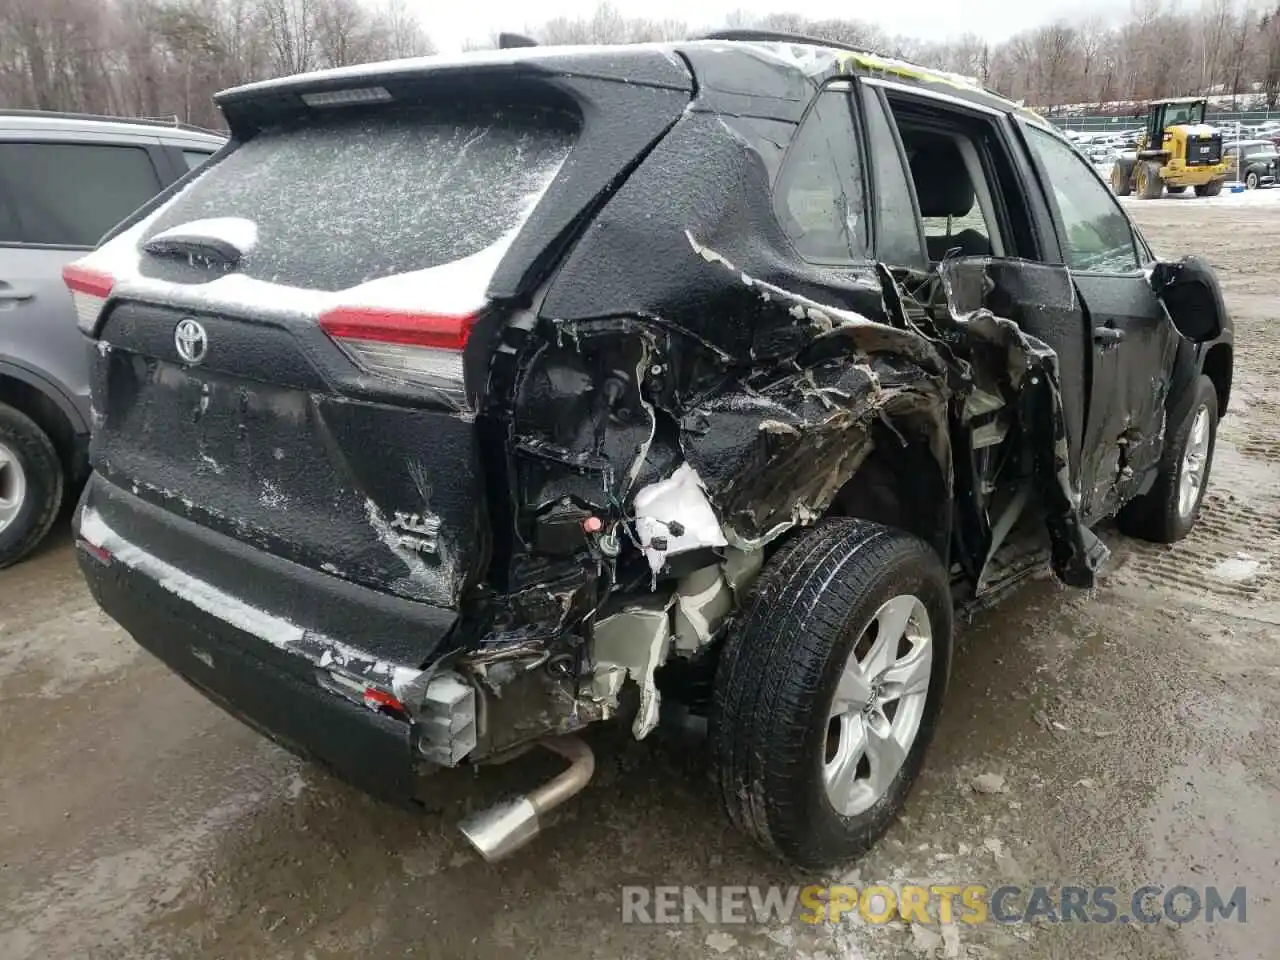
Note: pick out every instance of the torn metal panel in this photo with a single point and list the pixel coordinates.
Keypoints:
(1003, 357)
(775, 456)
(776, 448)
(632, 643)
(535, 697)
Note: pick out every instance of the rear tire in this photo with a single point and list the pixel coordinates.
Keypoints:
(1169, 510)
(30, 485)
(1209, 189)
(1150, 186)
(847, 641)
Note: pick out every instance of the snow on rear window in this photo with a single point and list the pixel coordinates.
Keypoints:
(358, 198)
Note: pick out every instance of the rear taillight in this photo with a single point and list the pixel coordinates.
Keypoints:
(419, 348)
(89, 290)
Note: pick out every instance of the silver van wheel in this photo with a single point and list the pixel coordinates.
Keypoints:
(13, 486)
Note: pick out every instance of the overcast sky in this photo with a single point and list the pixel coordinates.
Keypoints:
(449, 25)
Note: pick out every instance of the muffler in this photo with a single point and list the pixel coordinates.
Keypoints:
(505, 827)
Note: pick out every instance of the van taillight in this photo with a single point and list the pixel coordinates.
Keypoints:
(89, 291)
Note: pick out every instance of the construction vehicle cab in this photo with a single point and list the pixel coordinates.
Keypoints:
(1177, 150)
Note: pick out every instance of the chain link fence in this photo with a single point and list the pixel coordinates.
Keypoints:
(1224, 119)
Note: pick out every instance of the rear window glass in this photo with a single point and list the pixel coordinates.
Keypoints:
(371, 195)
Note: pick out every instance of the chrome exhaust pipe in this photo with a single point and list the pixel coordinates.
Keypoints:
(505, 827)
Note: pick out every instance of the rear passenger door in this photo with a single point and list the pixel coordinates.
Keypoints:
(57, 199)
(1134, 342)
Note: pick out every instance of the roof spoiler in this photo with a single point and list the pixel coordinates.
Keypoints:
(510, 41)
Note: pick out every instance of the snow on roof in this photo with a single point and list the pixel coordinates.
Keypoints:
(414, 65)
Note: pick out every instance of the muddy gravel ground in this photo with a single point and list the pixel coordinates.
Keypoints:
(1136, 728)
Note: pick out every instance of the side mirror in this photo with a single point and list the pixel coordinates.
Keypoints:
(1190, 292)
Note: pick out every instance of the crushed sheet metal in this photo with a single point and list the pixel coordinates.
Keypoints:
(775, 448)
(830, 319)
(634, 642)
(1031, 366)
(703, 601)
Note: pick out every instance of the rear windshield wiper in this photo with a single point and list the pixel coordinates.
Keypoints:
(222, 240)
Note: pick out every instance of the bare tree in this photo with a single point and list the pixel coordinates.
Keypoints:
(1271, 55)
(168, 57)
(404, 34)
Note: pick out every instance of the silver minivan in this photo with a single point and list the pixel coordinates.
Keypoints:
(65, 180)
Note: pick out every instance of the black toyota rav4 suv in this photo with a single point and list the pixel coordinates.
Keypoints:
(459, 404)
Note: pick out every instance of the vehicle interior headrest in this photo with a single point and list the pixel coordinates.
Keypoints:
(942, 180)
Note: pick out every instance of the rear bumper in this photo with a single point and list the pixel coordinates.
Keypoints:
(282, 676)
(370, 750)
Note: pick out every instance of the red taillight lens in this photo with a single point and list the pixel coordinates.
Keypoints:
(390, 326)
(420, 348)
(89, 291)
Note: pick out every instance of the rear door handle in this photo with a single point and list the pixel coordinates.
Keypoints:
(1107, 336)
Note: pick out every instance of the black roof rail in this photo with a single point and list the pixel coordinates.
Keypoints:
(778, 36)
(172, 124)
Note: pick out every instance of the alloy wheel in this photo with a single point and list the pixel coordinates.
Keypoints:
(879, 702)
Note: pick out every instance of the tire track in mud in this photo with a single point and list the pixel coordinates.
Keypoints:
(1263, 445)
(1256, 430)
(1230, 561)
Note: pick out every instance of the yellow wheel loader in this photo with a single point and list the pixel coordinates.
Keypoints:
(1176, 150)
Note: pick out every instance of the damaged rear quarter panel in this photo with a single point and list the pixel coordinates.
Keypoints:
(771, 378)
(762, 369)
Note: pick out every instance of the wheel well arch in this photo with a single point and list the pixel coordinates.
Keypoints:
(901, 484)
(45, 412)
(1217, 366)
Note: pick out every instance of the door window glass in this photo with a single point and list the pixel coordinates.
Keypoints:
(1096, 233)
(9, 231)
(897, 233)
(195, 158)
(70, 194)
